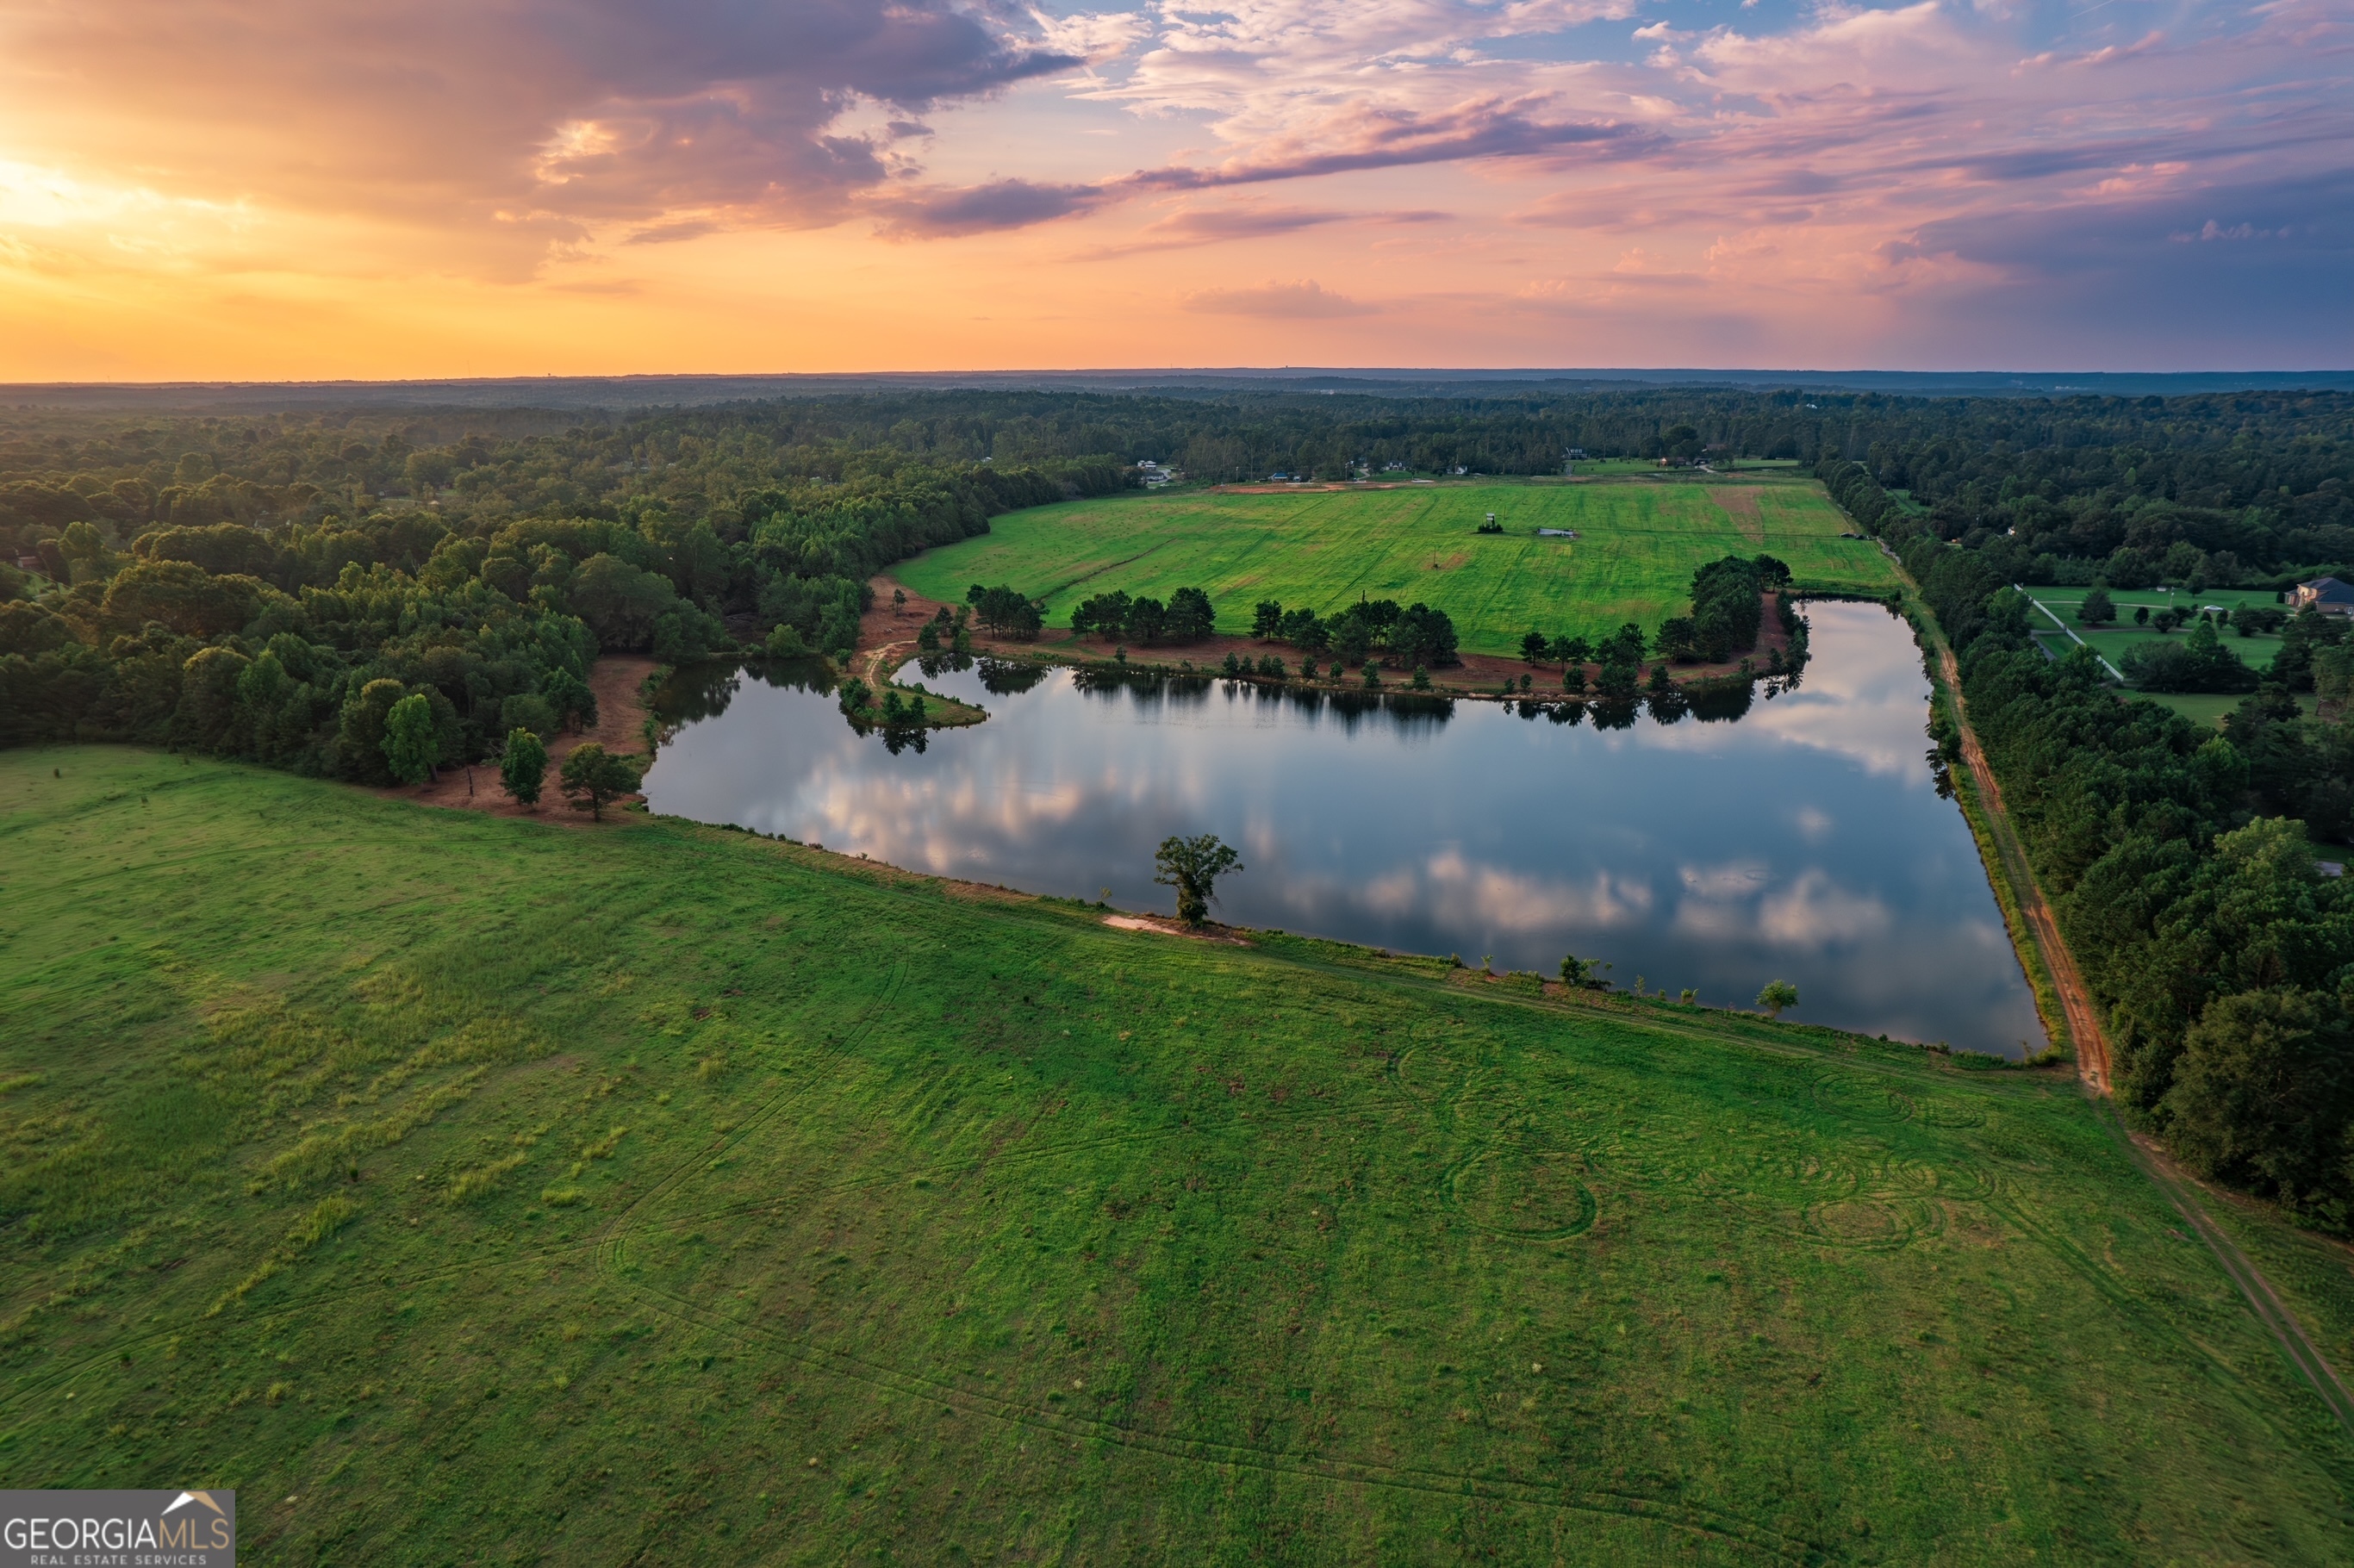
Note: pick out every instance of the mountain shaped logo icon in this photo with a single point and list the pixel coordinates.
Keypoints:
(186, 1497)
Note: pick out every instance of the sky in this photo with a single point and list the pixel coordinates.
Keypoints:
(275, 190)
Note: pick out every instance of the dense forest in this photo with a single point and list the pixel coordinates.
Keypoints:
(278, 590)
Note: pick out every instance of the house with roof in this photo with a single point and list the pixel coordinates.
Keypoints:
(2328, 594)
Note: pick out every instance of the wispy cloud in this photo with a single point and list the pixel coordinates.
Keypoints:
(943, 213)
(1188, 227)
(1306, 300)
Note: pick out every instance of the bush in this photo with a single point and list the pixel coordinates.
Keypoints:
(591, 778)
(523, 767)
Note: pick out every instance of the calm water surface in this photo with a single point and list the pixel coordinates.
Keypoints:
(1804, 839)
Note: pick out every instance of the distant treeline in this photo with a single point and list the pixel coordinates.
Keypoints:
(2178, 864)
(2240, 486)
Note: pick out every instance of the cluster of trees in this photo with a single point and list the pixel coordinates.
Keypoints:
(1414, 637)
(290, 641)
(945, 634)
(2221, 956)
(1624, 646)
(1005, 611)
(165, 652)
(1188, 617)
(1728, 602)
(2199, 664)
(1727, 612)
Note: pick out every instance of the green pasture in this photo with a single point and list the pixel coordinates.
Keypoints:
(2114, 640)
(1638, 544)
(2212, 707)
(466, 1190)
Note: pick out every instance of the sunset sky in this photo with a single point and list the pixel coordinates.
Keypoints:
(393, 188)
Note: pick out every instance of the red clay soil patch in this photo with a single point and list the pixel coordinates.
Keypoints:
(1740, 503)
(621, 715)
(1161, 927)
(886, 632)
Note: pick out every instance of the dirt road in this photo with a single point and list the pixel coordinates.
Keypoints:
(2084, 1020)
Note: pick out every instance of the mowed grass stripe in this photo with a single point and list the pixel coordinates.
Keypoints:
(1639, 545)
(1045, 1241)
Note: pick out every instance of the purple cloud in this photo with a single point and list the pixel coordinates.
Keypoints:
(1195, 226)
(940, 213)
(1379, 136)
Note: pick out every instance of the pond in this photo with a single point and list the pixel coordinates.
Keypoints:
(1803, 838)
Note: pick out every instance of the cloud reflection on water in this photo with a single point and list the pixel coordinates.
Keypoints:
(1803, 841)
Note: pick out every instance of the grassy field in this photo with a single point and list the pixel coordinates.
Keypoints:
(2113, 641)
(1639, 541)
(470, 1189)
(2212, 707)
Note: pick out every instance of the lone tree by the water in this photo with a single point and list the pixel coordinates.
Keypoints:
(1192, 867)
(591, 776)
(523, 765)
(1777, 996)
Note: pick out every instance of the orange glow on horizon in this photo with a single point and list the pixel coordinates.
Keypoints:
(1924, 185)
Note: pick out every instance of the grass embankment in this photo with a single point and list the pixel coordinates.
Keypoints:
(1999, 851)
(462, 1189)
(1638, 544)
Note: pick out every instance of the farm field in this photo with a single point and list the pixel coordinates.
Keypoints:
(2113, 641)
(1639, 543)
(460, 1187)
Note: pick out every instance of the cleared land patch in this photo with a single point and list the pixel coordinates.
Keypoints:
(568, 1194)
(1638, 544)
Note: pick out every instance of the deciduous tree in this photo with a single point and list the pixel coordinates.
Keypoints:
(591, 777)
(410, 746)
(522, 765)
(1192, 867)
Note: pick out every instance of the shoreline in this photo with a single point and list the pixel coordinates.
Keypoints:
(886, 645)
